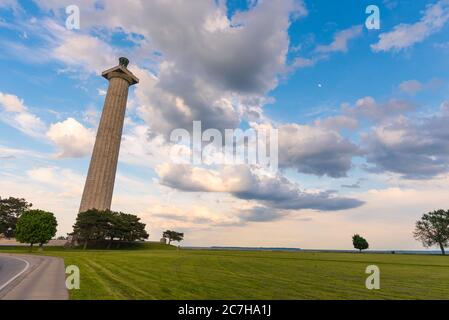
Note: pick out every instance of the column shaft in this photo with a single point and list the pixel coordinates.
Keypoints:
(103, 166)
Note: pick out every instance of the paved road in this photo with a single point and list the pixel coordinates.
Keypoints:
(11, 269)
(25, 277)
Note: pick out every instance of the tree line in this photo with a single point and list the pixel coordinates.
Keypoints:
(101, 228)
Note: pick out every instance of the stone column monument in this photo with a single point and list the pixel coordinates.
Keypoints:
(103, 165)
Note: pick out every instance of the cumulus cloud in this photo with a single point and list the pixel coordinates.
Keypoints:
(142, 147)
(315, 150)
(279, 193)
(272, 191)
(209, 66)
(369, 108)
(404, 36)
(181, 100)
(415, 149)
(72, 138)
(224, 76)
(192, 179)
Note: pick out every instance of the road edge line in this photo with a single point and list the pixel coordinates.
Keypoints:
(27, 266)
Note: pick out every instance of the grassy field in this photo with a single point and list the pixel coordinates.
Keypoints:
(158, 273)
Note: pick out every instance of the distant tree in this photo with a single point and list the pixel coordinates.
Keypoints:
(36, 226)
(359, 243)
(173, 236)
(10, 210)
(433, 229)
(61, 238)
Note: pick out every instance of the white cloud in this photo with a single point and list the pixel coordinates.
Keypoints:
(341, 40)
(301, 62)
(369, 108)
(28, 123)
(404, 35)
(14, 153)
(337, 123)
(69, 183)
(72, 138)
(340, 43)
(90, 53)
(11, 103)
(411, 87)
(16, 115)
(195, 179)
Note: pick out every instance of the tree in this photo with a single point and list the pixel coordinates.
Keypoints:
(433, 229)
(36, 226)
(124, 227)
(90, 225)
(10, 210)
(131, 227)
(95, 225)
(360, 243)
(173, 236)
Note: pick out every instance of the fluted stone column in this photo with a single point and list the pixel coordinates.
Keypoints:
(103, 165)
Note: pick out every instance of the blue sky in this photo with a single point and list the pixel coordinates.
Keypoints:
(361, 114)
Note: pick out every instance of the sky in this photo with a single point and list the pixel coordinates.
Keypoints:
(361, 114)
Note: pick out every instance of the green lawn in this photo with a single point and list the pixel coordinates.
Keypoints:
(155, 273)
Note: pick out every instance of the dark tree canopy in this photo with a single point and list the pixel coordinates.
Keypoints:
(173, 236)
(95, 225)
(90, 225)
(10, 211)
(36, 226)
(359, 243)
(433, 229)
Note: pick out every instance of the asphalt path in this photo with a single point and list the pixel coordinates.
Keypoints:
(27, 277)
